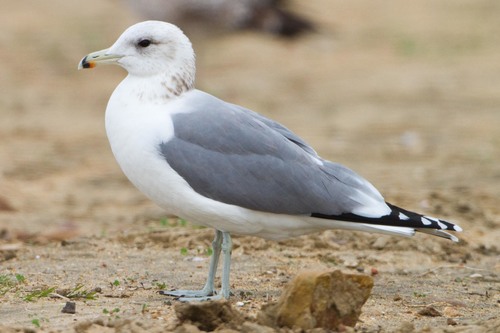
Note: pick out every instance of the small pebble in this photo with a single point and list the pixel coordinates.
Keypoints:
(429, 311)
(406, 327)
(373, 271)
(451, 311)
(351, 263)
(69, 307)
(240, 304)
(380, 243)
(451, 322)
(476, 276)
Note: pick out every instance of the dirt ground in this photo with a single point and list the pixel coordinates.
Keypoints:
(405, 93)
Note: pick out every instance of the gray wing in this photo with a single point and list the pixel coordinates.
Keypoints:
(280, 129)
(238, 157)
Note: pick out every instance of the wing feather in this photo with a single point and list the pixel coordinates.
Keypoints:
(239, 157)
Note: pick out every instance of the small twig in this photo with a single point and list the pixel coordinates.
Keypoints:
(452, 266)
(59, 296)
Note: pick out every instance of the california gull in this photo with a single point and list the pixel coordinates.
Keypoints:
(223, 166)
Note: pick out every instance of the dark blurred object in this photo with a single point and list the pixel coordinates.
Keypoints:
(5, 205)
(69, 307)
(195, 16)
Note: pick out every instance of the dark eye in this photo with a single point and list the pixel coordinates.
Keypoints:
(144, 43)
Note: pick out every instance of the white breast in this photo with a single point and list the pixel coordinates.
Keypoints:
(135, 129)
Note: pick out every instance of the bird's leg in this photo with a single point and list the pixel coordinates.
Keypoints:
(227, 246)
(214, 262)
(225, 289)
(208, 289)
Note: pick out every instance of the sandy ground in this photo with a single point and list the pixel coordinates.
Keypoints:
(405, 93)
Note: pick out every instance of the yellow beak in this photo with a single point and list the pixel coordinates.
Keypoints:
(96, 58)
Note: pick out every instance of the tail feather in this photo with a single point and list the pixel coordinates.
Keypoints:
(439, 233)
(388, 230)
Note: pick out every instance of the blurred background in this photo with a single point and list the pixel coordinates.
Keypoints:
(404, 92)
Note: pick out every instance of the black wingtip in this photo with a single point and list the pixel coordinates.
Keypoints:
(398, 217)
(426, 222)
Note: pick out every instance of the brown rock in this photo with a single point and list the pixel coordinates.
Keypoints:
(405, 327)
(319, 299)
(5, 329)
(451, 311)
(208, 316)
(249, 327)
(187, 328)
(430, 311)
(82, 326)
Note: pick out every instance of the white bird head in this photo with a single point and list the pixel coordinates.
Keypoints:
(150, 48)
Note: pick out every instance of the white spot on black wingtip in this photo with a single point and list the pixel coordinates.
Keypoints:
(403, 216)
(442, 225)
(432, 219)
(425, 220)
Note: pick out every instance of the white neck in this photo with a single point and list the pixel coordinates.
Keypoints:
(156, 89)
